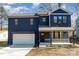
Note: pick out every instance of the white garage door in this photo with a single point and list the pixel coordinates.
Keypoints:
(23, 38)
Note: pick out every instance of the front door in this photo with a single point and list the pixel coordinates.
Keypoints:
(42, 37)
(45, 37)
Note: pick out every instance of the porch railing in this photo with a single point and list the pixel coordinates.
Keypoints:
(60, 40)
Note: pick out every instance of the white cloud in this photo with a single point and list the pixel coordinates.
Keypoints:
(20, 9)
(7, 3)
(10, 3)
(63, 6)
(7, 7)
(36, 4)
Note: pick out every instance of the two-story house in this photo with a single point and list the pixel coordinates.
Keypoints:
(42, 27)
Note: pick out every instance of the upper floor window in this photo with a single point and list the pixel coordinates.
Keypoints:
(44, 19)
(59, 19)
(31, 21)
(16, 21)
(64, 19)
(55, 19)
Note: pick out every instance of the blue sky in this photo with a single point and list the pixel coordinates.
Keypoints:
(33, 7)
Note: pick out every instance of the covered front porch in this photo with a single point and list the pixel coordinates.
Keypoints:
(57, 36)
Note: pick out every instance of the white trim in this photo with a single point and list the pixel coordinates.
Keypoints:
(62, 9)
(56, 28)
(49, 19)
(62, 43)
(60, 14)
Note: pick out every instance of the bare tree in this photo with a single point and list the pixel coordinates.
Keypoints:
(2, 16)
(47, 7)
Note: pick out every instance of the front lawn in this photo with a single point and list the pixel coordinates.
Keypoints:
(54, 52)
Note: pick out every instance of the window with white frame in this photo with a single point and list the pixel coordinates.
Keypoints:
(16, 21)
(64, 19)
(31, 21)
(44, 19)
(60, 19)
(55, 19)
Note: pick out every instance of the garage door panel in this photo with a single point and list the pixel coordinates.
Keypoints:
(23, 38)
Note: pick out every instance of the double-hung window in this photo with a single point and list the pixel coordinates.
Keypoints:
(44, 19)
(64, 19)
(59, 19)
(55, 19)
(16, 21)
(31, 21)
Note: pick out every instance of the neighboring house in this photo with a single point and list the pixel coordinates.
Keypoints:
(40, 27)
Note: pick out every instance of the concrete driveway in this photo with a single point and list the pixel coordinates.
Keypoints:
(15, 50)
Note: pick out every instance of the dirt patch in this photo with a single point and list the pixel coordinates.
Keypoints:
(54, 52)
(3, 44)
(3, 30)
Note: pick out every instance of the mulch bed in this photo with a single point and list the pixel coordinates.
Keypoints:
(54, 52)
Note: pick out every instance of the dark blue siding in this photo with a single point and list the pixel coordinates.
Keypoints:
(69, 20)
(67, 24)
(23, 26)
(10, 30)
(42, 23)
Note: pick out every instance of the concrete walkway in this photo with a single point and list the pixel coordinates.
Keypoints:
(15, 50)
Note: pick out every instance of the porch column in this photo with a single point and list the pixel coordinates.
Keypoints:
(56, 34)
(52, 36)
(60, 35)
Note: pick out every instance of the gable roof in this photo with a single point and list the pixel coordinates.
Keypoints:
(61, 10)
